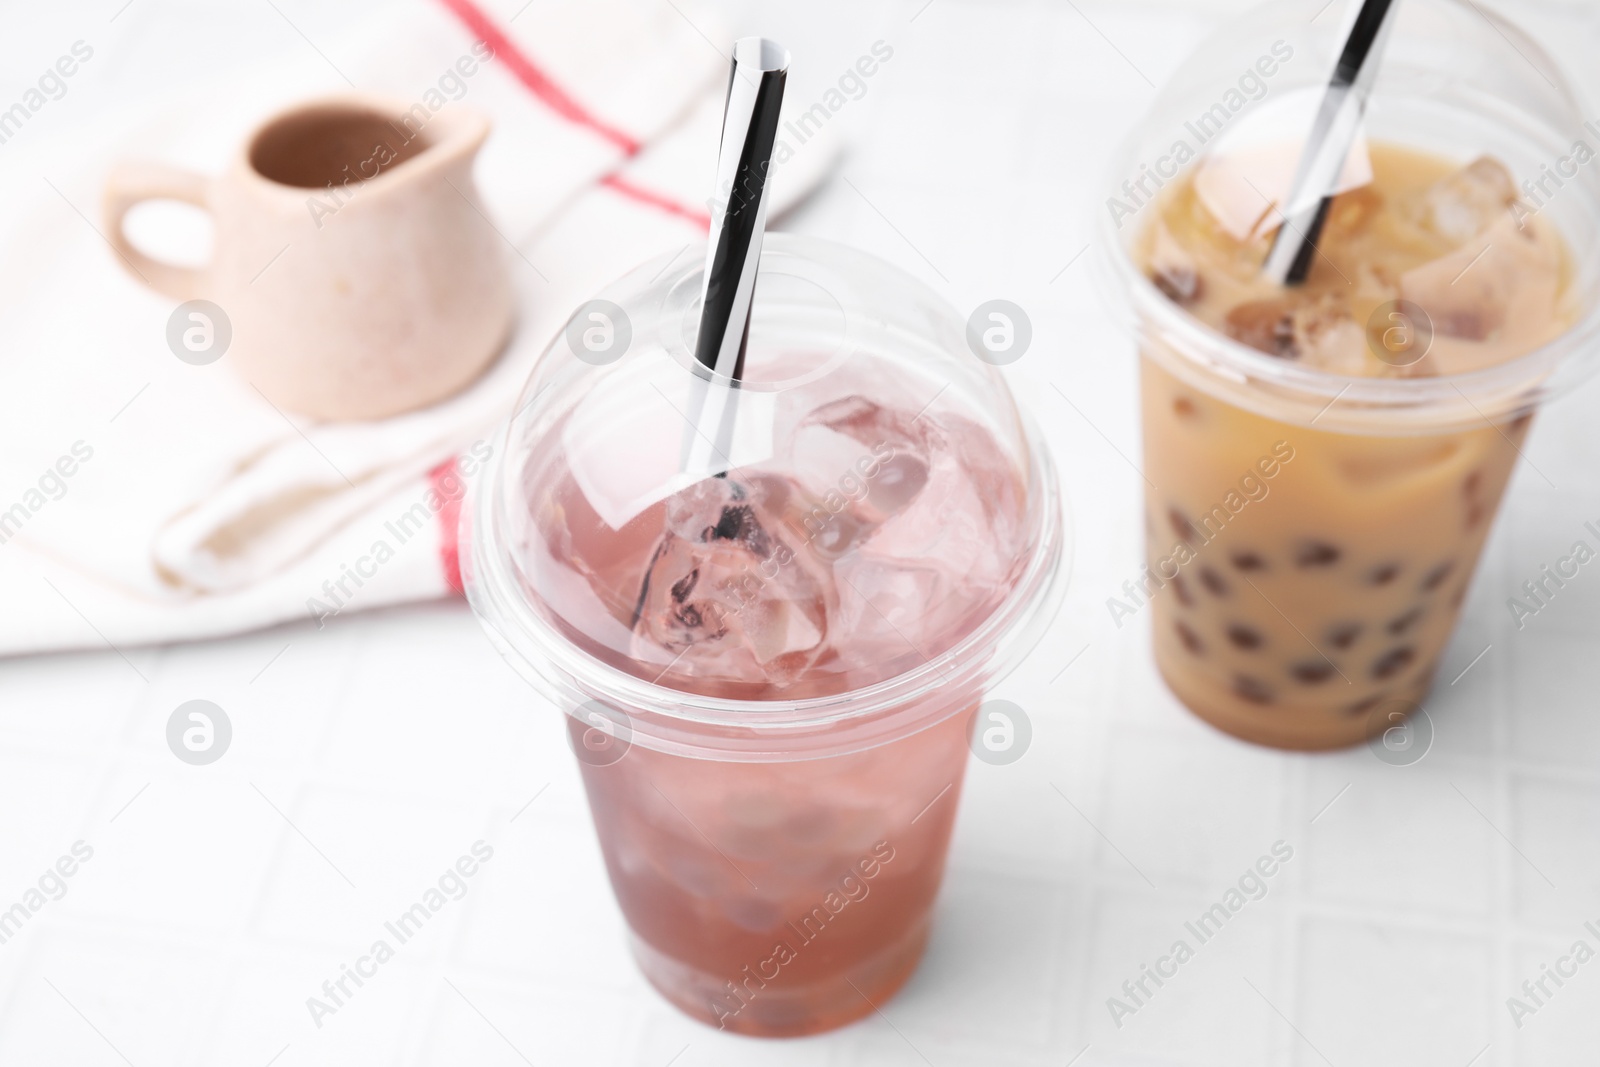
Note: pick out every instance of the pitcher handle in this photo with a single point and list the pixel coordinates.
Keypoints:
(132, 183)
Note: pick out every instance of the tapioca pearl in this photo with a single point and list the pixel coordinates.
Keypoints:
(1181, 526)
(1265, 325)
(1361, 707)
(1245, 637)
(1190, 639)
(1383, 574)
(1437, 576)
(1180, 589)
(1312, 671)
(1457, 598)
(1185, 408)
(1253, 690)
(1317, 554)
(1393, 662)
(1476, 513)
(1213, 582)
(1343, 635)
(1248, 562)
(1401, 624)
(1471, 484)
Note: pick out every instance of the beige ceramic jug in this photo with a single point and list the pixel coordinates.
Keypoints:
(358, 273)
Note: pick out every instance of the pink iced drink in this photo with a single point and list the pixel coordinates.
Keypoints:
(787, 896)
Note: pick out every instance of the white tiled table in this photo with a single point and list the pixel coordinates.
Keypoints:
(369, 756)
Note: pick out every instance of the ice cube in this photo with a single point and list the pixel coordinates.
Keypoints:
(1468, 202)
(728, 592)
(1328, 336)
(1245, 179)
(1350, 212)
(882, 604)
(823, 455)
(1318, 329)
(930, 568)
(850, 438)
(1174, 270)
(1369, 462)
(1493, 298)
(696, 512)
(899, 528)
(861, 462)
(699, 873)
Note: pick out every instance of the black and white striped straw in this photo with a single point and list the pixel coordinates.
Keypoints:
(1332, 135)
(738, 222)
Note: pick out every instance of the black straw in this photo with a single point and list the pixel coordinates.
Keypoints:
(738, 223)
(1328, 145)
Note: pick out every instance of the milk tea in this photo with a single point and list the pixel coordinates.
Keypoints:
(1309, 579)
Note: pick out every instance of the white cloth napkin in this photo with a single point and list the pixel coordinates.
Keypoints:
(192, 507)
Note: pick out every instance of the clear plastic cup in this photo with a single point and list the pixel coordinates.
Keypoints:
(774, 814)
(1311, 535)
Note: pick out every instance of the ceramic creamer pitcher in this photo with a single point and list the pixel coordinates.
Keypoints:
(357, 269)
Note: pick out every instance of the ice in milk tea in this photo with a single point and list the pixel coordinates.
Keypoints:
(1316, 615)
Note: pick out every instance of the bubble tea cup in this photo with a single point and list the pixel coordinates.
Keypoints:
(1326, 460)
(766, 530)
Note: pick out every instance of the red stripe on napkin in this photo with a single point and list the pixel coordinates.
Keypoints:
(537, 81)
(617, 184)
(559, 101)
(450, 497)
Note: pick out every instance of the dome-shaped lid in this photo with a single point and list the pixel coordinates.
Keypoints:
(1456, 87)
(864, 501)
